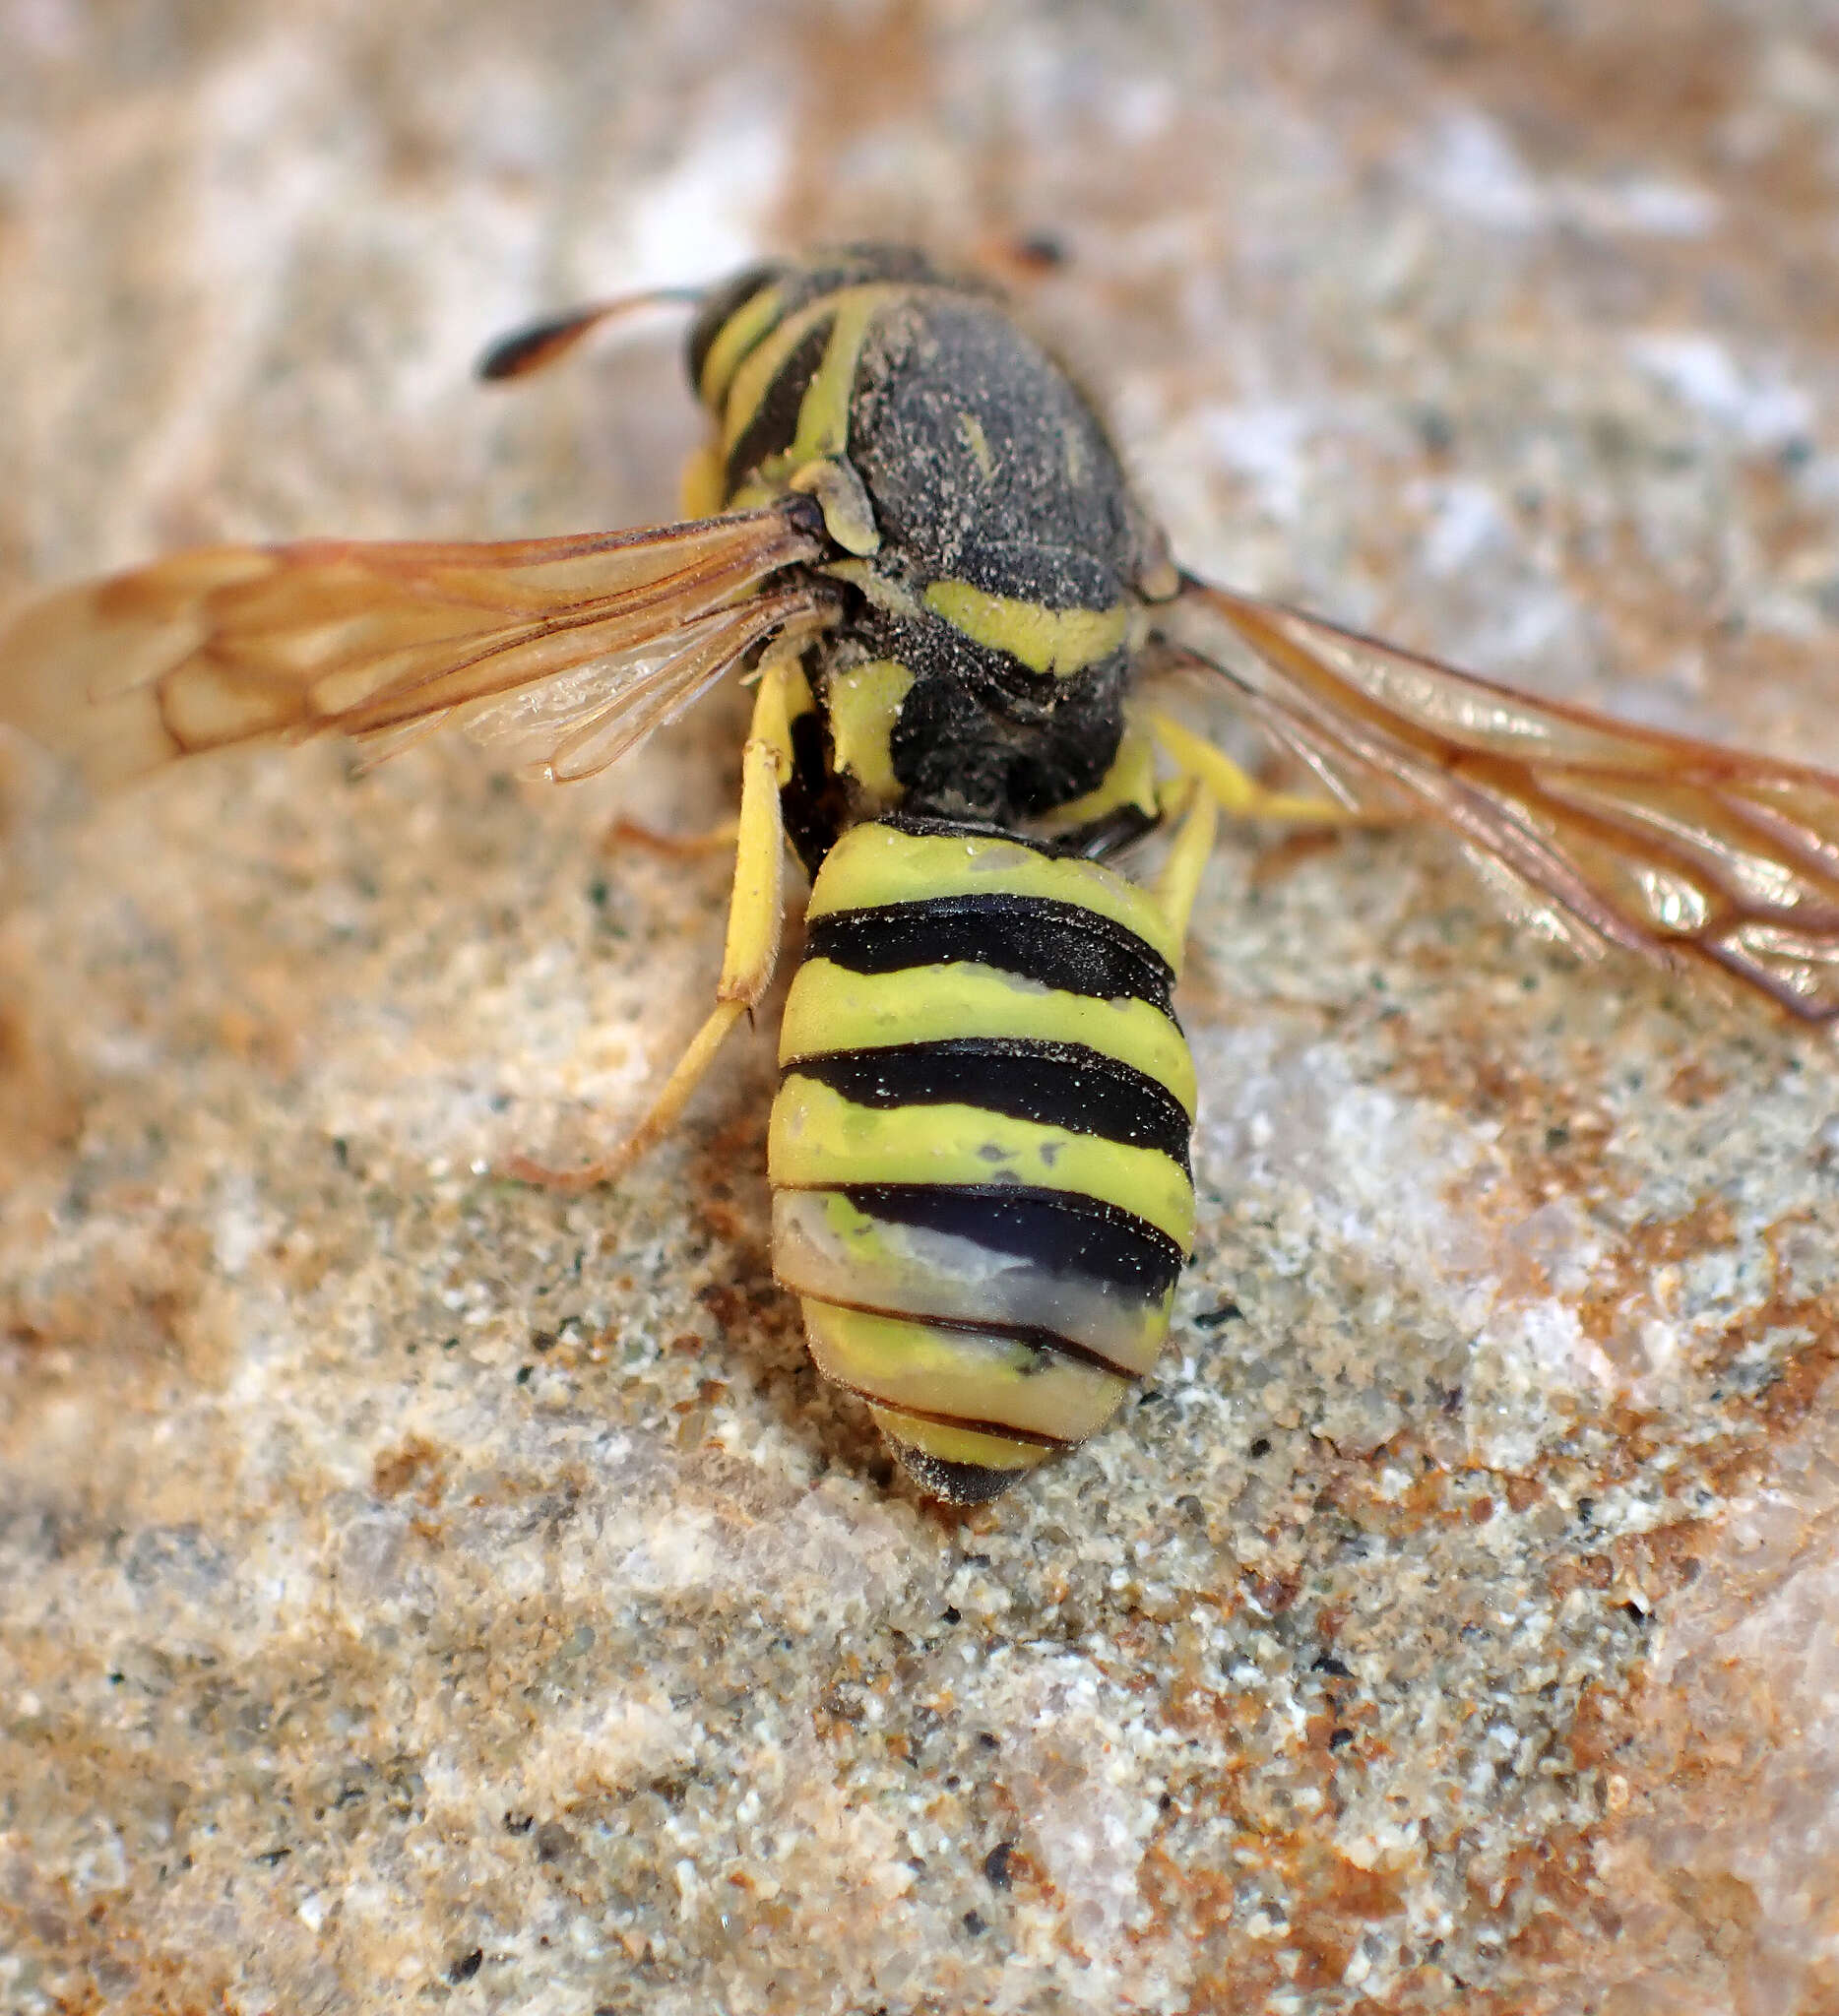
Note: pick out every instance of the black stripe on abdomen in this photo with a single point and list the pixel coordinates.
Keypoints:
(1032, 1438)
(1054, 1083)
(1059, 1231)
(1050, 1342)
(1057, 945)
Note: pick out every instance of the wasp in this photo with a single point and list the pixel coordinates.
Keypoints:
(912, 530)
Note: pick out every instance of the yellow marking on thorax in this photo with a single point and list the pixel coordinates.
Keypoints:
(875, 864)
(755, 373)
(972, 428)
(864, 705)
(1057, 641)
(757, 490)
(734, 339)
(824, 409)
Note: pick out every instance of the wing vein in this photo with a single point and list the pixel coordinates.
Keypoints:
(1652, 841)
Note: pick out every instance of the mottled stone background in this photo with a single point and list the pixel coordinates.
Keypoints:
(419, 1590)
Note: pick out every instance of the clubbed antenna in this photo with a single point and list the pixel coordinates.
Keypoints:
(541, 343)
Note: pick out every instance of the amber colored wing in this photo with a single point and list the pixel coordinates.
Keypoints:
(1639, 839)
(576, 647)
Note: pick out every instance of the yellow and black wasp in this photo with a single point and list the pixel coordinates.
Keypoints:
(911, 528)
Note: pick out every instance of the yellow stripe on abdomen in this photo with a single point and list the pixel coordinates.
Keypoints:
(970, 1374)
(880, 863)
(978, 1153)
(819, 1140)
(832, 1009)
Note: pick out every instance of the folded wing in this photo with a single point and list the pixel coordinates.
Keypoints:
(1649, 841)
(575, 647)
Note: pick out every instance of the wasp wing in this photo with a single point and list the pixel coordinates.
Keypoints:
(1639, 839)
(599, 636)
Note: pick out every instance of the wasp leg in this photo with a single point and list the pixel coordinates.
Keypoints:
(675, 845)
(1122, 808)
(756, 912)
(1237, 793)
(1103, 840)
(1178, 883)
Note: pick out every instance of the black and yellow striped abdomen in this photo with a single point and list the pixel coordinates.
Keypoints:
(979, 1149)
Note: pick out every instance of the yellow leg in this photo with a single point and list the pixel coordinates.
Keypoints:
(756, 912)
(1130, 781)
(1180, 881)
(1238, 796)
(675, 845)
(1210, 783)
(782, 692)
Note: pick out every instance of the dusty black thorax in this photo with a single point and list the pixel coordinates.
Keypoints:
(981, 734)
(983, 464)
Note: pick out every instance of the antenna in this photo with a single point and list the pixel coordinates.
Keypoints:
(539, 344)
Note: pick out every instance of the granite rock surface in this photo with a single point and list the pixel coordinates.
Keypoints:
(420, 1590)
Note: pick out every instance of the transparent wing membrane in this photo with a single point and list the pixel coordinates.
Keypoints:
(599, 636)
(573, 728)
(1633, 837)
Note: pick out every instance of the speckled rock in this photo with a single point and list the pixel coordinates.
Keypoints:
(420, 1589)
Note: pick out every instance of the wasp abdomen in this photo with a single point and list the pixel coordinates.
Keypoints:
(980, 1149)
